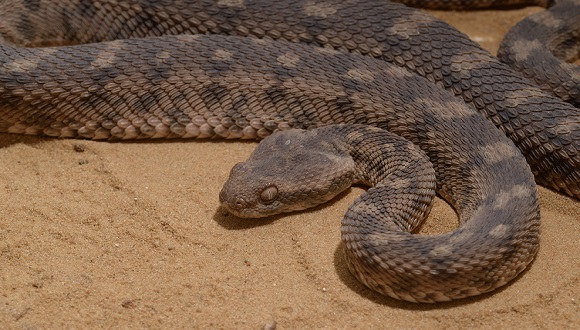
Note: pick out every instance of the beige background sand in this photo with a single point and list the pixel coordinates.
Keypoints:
(129, 235)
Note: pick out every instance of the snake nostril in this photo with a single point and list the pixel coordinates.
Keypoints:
(240, 203)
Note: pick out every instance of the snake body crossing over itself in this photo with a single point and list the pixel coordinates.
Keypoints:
(380, 64)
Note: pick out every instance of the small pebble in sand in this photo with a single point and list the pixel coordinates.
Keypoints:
(270, 325)
(79, 147)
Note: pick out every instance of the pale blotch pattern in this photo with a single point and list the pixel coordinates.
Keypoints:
(187, 37)
(468, 61)
(403, 25)
(380, 239)
(261, 41)
(547, 19)
(163, 55)
(288, 60)
(461, 237)
(403, 182)
(319, 9)
(443, 250)
(222, 54)
(525, 47)
(26, 65)
(361, 75)
(21, 65)
(499, 231)
(498, 152)
(518, 97)
(231, 3)
(453, 109)
(396, 73)
(327, 145)
(355, 135)
(346, 162)
(107, 57)
(504, 198)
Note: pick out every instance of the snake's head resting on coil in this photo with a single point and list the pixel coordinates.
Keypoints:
(289, 171)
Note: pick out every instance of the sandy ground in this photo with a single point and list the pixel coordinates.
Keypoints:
(130, 235)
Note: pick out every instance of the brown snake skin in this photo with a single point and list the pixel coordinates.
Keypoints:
(558, 31)
(206, 86)
(473, 4)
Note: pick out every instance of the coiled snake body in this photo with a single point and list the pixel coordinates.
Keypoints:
(423, 84)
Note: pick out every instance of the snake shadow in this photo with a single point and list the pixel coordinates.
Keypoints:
(7, 140)
(231, 222)
(352, 283)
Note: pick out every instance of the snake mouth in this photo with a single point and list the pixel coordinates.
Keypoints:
(242, 208)
(238, 206)
(244, 213)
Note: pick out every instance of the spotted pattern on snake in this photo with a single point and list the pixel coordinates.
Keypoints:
(424, 83)
(557, 30)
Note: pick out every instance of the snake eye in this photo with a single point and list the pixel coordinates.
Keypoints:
(269, 194)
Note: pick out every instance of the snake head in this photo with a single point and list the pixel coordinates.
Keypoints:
(289, 171)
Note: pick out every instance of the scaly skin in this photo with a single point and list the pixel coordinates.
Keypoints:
(232, 87)
(545, 129)
(543, 46)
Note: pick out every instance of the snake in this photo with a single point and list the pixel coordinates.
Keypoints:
(244, 69)
(543, 47)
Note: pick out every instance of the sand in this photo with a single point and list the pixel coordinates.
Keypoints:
(130, 235)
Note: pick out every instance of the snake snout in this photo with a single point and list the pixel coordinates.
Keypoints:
(234, 204)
